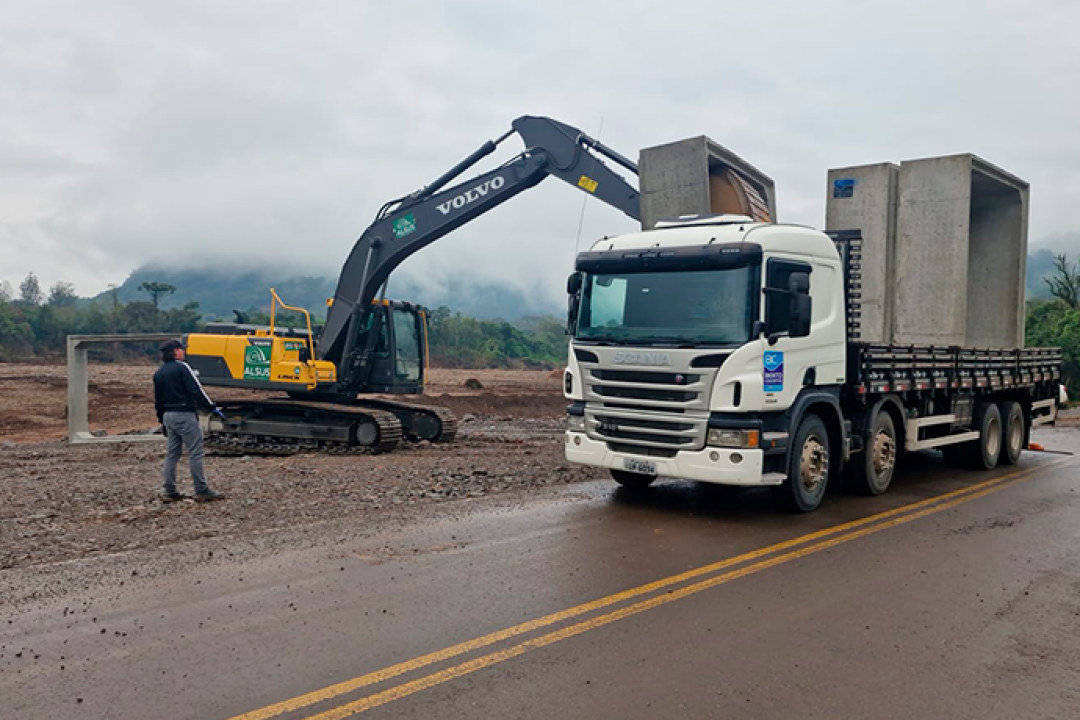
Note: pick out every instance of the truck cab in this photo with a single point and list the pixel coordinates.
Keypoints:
(696, 343)
(728, 351)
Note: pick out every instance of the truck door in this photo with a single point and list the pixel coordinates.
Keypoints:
(787, 360)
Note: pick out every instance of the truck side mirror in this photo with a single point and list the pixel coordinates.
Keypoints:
(573, 289)
(801, 304)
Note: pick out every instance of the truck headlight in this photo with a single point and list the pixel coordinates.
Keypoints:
(575, 423)
(724, 437)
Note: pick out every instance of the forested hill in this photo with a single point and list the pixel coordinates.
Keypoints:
(219, 292)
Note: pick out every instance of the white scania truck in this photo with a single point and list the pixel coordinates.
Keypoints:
(717, 349)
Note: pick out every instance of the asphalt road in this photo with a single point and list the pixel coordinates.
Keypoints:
(956, 595)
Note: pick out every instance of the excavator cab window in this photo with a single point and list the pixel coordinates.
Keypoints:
(407, 365)
(382, 342)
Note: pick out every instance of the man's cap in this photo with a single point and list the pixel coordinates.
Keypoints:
(170, 345)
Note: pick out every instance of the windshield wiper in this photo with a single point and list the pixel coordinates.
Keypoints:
(691, 341)
(671, 339)
(671, 342)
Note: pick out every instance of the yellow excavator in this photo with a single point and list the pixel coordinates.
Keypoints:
(369, 344)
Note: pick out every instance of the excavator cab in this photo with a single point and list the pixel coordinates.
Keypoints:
(281, 358)
(399, 355)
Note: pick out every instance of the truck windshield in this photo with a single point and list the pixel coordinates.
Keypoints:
(689, 307)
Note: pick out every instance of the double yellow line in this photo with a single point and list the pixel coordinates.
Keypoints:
(751, 563)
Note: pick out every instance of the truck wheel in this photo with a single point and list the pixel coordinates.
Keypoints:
(1012, 432)
(633, 481)
(808, 467)
(872, 471)
(982, 454)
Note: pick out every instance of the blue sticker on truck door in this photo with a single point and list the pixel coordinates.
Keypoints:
(774, 372)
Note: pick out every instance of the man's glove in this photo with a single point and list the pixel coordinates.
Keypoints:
(164, 430)
(217, 411)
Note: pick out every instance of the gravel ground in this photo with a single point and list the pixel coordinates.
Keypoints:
(62, 502)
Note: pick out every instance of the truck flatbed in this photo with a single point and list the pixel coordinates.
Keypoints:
(876, 368)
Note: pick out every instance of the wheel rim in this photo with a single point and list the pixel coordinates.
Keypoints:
(884, 453)
(993, 438)
(1016, 434)
(814, 463)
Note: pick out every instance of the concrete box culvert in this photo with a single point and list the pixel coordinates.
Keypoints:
(945, 249)
(697, 176)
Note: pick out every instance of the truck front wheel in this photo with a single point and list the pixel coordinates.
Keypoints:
(808, 467)
(872, 471)
(632, 481)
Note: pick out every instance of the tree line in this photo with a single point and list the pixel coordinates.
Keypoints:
(1056, 322)
(456, 340)
(35, 324)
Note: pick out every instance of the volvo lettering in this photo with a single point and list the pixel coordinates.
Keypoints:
(471, 195)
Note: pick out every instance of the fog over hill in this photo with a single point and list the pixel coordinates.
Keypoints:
(221, 290)
(1040, 261)
(1068, 243)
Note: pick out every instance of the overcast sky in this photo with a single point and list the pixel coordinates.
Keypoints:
(239, 132)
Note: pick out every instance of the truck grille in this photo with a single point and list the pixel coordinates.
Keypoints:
(653, 432)
(654, 390)
(624, 393)
(649, 412)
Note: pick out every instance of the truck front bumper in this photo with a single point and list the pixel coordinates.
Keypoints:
(723, 466)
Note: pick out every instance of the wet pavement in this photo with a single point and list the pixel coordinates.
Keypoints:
(956, 595)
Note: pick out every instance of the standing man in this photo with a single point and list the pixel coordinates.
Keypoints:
(177, 393)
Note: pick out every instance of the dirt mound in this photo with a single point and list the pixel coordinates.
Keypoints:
(549, 405)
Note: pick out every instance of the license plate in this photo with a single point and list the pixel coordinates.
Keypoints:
(644, 467)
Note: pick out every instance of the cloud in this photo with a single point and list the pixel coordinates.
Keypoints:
(269, 133)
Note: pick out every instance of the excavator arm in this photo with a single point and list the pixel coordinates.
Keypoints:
(408, 224)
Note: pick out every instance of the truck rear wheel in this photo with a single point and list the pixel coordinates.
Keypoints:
(982, 454)
(872, 472)
(1012, 432)
(632, 481)
(808, 467)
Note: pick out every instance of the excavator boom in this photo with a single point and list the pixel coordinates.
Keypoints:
(372, 345)
(409, 224)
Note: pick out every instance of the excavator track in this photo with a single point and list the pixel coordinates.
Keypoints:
(283, 427)
(419, 422)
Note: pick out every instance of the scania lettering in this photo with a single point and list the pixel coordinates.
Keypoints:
(719, 349)
(640, 358)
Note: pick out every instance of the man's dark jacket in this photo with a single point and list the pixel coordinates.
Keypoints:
(176, 389)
